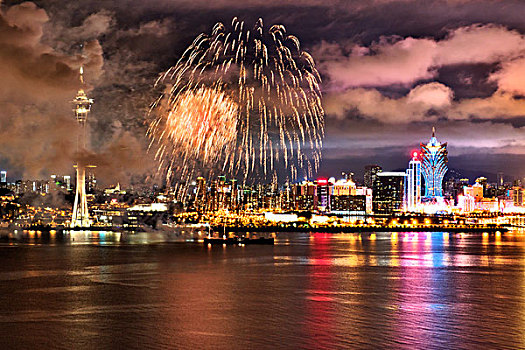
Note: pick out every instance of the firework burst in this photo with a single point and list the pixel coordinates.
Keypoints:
(239, 101)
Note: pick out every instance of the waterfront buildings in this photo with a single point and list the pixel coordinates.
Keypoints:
(390, 193)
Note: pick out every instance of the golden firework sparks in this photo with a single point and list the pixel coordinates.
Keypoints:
(240, 101)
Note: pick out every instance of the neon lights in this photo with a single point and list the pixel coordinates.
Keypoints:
(433, 163)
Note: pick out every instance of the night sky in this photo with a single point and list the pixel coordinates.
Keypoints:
(391, 71)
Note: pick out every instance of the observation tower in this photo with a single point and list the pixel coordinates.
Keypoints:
(434, 166)
(82, 103)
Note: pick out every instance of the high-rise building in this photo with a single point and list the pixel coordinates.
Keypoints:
(348, 199)
(80, 217)
(370, 174)
(518, 196)
(234, 193)
(475, 191)
(305, 196)
(484, 183)
(501, 182)
(91, 182)
(67, 182)
(388, 192)
(3, 177)
(434, 166)
(413, 184)
(323, 200)
(200, 196)
(212, 199)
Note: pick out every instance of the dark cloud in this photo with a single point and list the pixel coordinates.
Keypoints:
(37, 83)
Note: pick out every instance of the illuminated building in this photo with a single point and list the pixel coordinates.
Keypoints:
(91, 182)
(434, 166)
(475, 191)
(3, 177)
(388, 192)
(234, 195)
(322, 195)
(413, 184)
(201, 194)
(67, 181)
(212, 204)
(501, 181)
(348, 199)
(305, 196)
(484, 183)
(221, 192)
(466, 203)
(370, 174)
(518, 196)
(487, 204)
(80, 217)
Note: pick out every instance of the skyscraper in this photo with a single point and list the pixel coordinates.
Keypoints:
(388, 192)
(3, 177)
(67, 182)
(501, 181)
(80, 217)
(370, 174)
(200, 196)
(413, 184)
(434, 166)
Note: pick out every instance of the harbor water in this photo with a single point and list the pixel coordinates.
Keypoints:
(103, 290)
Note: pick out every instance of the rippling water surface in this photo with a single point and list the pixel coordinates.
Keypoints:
(371, 291)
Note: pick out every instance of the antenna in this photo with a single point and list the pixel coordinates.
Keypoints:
(82, 74)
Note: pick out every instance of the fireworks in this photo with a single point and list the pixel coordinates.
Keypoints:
(242, 102)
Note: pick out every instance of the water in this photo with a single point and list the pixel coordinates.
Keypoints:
(360, 291)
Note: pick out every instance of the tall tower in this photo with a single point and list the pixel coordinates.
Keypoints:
(413, 184)
(434, 165)
(82, 103)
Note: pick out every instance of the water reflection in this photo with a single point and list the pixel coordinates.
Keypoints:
(379, 290)
(91, 237)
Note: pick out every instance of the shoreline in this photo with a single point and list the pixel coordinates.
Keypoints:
(353, 229)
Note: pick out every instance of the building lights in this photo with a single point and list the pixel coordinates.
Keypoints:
(433, 163)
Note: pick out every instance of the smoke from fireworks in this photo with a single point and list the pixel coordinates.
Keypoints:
(242, 102)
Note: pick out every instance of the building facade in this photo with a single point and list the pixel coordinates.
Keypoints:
(413, 184)
(389, 192)
(434, 166)
(370, 174)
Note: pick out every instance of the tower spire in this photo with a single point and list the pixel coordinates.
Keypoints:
(433, 131)
(81, 70)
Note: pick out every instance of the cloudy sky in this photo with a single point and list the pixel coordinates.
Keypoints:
(391, 70)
